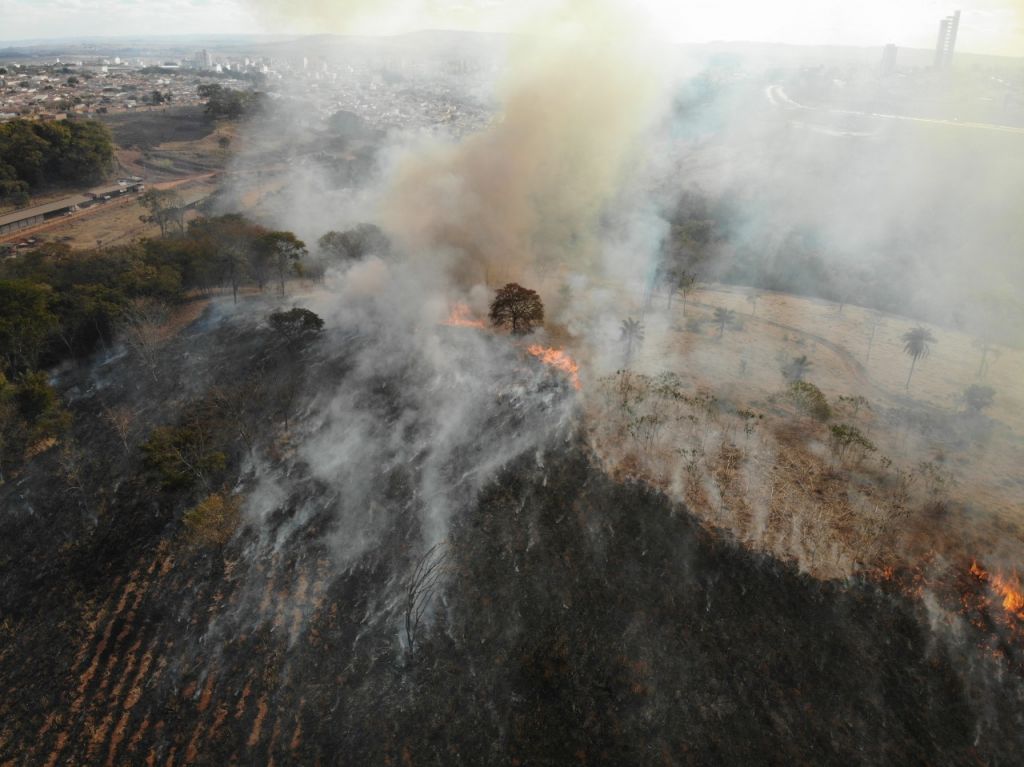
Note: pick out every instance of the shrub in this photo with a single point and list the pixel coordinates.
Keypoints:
(34, 395)
(844, 439)
(182, 455)
(296, 325)
(809, 400)
(976, 398)
(213, 520)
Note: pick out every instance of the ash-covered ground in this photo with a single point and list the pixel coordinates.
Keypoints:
(385, 473)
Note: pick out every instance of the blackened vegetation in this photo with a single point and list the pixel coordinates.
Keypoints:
(296, 325)
(577, 620)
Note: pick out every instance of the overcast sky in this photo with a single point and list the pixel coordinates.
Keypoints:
(988, 26)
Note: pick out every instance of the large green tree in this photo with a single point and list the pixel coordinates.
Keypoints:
(286, 251)
(38, 153)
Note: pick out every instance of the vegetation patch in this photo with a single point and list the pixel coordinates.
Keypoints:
(213, 521)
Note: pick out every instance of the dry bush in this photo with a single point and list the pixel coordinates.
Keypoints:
(213, 520)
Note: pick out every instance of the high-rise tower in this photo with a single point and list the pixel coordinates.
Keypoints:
(946, 44)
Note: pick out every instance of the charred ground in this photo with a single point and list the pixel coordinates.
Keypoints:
(579, 620)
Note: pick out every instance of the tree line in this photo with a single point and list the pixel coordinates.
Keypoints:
(228, 103)
(58, 304)
(34, 154)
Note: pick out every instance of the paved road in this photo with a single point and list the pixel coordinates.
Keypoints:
(777, 97)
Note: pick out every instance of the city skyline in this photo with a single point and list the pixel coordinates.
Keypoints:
(992, 27)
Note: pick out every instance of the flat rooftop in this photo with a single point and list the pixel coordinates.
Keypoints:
(42, 210)
(64, 202)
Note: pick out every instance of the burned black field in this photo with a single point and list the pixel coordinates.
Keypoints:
(573, 620)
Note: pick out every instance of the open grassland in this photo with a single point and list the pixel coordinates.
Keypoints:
(704, 416)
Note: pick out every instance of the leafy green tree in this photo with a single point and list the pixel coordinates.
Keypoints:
(226, 243)
(193, 257)
(41, 152)
(88, 155)
(22, 149)
(26, 323)
(184, 455)
(286, 251)
(227, 103)
(12, 188)
(517, 308)
(916, 344)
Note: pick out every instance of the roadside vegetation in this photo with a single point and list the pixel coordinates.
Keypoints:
(35, 154)
(58, 305)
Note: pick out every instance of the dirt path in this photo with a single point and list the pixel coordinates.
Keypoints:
(851, 364)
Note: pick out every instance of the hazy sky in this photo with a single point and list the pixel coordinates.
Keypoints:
(988, 26)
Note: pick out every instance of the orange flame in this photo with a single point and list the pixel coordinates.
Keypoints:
(1007, 588)
(557, 358)
(461, 316)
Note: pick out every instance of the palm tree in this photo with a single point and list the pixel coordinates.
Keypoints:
(916, 344)
(632, 332)
(723, 317)
(797, 368)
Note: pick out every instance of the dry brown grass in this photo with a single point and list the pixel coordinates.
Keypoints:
(784, 492)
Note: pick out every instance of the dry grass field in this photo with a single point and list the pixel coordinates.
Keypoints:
(939, 481)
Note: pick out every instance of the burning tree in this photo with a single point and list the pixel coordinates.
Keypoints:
(517, 308)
